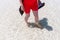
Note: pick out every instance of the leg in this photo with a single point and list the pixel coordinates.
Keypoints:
(37, 19)
(35, 13)
(27, 12)
(35, 10)
(26, 18)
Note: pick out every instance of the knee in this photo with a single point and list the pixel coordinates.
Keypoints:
(36, 15)
(28, 15)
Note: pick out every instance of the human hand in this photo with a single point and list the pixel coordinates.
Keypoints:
(22, 7)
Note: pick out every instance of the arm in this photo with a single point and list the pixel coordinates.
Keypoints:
(21, 2)
(39, 1)
(21, 5)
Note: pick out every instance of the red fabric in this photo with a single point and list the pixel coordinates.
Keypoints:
(30, 4)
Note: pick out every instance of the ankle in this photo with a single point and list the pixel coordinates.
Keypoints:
(36, 22)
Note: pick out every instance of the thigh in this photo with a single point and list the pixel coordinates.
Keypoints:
(26, 8)
(34, 7)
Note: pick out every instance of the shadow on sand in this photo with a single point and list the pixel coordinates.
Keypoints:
(44, 23)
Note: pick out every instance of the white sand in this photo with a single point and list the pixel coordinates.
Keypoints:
(13, 27)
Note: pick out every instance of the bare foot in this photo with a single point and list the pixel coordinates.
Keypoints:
(28, 24)
(38, 25)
